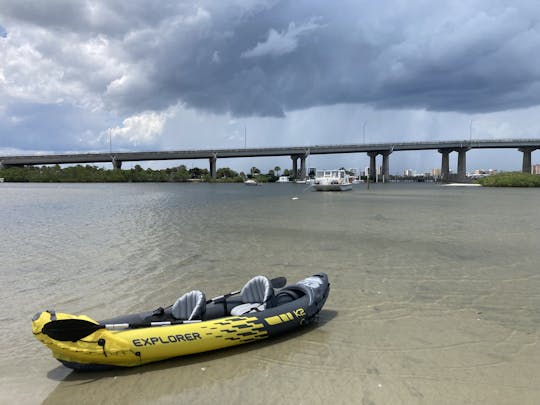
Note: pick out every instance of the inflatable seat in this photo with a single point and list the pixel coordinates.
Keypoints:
(190, 306)
(256, 295)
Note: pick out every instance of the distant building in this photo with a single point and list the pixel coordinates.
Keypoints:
(535, 169)
(409, 173)
(436, 172)
(378, 171)
(366, 171)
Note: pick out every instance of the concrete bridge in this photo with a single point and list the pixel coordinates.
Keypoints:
(526, 146)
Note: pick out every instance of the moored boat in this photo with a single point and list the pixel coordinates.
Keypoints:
(332, 180)
(263, 308)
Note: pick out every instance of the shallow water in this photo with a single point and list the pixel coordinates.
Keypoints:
(435, 290)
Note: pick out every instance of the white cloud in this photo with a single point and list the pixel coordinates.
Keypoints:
(142, 128)
(41, 68)
(281, 43)
(27, 75)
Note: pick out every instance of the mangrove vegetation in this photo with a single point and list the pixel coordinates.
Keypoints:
(94, 174)
(510, 179)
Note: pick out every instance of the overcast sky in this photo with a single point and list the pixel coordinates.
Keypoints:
(162, 75)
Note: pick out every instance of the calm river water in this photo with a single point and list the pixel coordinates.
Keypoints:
(435, 290)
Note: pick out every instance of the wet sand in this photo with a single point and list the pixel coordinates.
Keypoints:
(435, 299)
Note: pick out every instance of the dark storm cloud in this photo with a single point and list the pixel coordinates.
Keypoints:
(269, 57)
(27, 125)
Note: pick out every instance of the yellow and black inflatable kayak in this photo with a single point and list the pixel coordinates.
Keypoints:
(192, 325)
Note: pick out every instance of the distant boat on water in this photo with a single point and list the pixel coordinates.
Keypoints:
(283, 179)
(332, 180)
(251, 182)
(462, 185)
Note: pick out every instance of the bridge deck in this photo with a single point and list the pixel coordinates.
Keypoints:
(259, 152)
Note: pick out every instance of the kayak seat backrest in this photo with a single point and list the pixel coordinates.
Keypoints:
(190, 306)
(256, 295)
(289, 294)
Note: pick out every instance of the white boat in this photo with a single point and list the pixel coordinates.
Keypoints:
(462, 185)
(283, 179)
(332, 180)
(251, 182)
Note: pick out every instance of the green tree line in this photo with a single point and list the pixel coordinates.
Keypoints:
(510, 179)
(94, 174)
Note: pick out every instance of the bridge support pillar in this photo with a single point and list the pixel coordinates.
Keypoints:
(213, 164)
(302, 173)
(526, 167)
(372, 166)
(462, 164)
(294, 166)
(117, 164)
(386, 165)
(445, 165)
